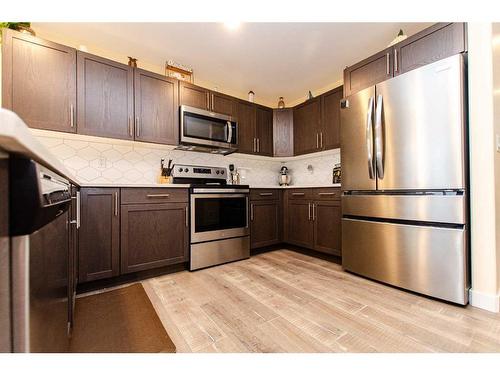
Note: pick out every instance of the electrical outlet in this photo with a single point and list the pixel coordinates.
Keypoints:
(102, 162)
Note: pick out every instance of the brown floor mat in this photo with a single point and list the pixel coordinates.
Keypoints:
(119, 321)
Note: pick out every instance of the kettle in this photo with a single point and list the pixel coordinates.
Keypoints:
(284, 179)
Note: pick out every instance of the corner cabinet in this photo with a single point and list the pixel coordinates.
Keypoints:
(39, 81)
(330, 119)
(306, 123)
(99, 237)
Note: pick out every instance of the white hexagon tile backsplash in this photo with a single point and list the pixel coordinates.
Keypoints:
(102, 160)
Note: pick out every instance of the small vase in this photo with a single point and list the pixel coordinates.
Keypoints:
(281, 103)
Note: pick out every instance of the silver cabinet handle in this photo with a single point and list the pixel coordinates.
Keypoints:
(187, 217)
(251, 212)
(395, 60)
(321, 139)
(317, 140)
(137, 127)
(72, 115)
(326, 194)
(314, 212)
(78, 209)
(379, 147)
(208, 101)
(158, 195)
(298, 193)
(265, 194)
(116, 203)
(369, 138)
(387, 63)
(211, 105)
(309, 211)
(255, 145)
(130, 130)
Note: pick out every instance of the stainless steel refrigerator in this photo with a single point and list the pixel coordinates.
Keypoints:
(404, 181)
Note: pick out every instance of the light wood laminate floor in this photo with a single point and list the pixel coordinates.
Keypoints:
(284, 301)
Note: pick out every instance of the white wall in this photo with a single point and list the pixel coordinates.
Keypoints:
(484, 254)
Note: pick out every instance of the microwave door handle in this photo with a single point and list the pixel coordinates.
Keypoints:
(369, 138)
(379, 147)
(229, 132)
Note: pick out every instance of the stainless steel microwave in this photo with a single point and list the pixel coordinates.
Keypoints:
(206, 131)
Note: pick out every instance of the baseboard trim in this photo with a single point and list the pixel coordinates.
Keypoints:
(485, 301)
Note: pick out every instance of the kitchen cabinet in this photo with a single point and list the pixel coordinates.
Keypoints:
(283, 132)
(194, 96)
(153, 235)
(265, 217)
(370, 71)
(156, 108)
(306, 123)
(432, 44)
(39, 81)
(313, 219)
(264, 131)
(220, 103)
(99, 236)
(105, 97)
(330, 119)
(245, 116)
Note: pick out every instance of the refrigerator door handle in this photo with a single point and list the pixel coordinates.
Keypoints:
(369, 138)
(379, 147)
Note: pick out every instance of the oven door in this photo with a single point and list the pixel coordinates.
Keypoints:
(218, 216)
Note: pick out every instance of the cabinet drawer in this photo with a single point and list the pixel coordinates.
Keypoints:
(295, 194)
(326, 194)
(153, 195)
(264, 194)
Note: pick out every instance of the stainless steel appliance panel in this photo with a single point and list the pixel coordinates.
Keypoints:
(356, 139)
(427, 260)
(430, 208)
(217, 252)
(420, 128)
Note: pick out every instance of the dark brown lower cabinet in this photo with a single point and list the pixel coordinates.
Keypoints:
(153, 235)
(265, 218)
(327, 229)
(99, 236)
(300, 224)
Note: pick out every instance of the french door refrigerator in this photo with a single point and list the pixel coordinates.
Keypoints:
(404, 181)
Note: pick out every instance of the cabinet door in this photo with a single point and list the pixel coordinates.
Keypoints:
(306, 119)
(221, 103)
(264, 131)
(327, 229)
(368, 72)
(300, 224)
(153, 235)
(39, 81)
(245, 116)
(264, 223)
(432, 44)
(99, 237)
(193, 96)
(283, 132)
(156, 108)
(105, 97)
(330, 119)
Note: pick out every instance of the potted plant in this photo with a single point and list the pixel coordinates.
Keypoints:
(24, 27)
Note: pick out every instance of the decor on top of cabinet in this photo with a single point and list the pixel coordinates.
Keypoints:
(310, 95)
(251, 96)
(400, 37)
(281, 103)
(23, 27)
(132, 62)
(337, 174)
(179, 71)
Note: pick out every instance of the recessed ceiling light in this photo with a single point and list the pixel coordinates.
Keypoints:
(232, 25)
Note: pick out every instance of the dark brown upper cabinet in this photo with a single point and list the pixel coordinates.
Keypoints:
(245, 116)
(194, 96)
(306, 123)
(99, 237)
(105, 97)
(264, 131)
(220, 103)
(283, 132)
(156, 108)
(39, 81)
(370, 71)
(432, 44)
(330, 119)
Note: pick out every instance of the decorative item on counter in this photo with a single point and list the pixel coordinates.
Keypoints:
(310, 95)
(337, 174)
(400, 37)
(281, 103)
(132, 62)
(179, 71)
(165, 172)
(234, 175)
(251, 96)
(23, 27)
(284, 179)
(310, 169)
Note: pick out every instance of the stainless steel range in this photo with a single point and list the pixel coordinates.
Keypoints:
(219, 216)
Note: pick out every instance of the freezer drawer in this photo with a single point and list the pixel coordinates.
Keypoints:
(427, 260)
(428, 208)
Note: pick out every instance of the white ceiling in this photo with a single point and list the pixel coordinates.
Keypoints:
(272, 59)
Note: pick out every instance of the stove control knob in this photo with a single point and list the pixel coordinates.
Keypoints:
(186, 170)
(217, 172)
(221, 172)
(180, 169)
